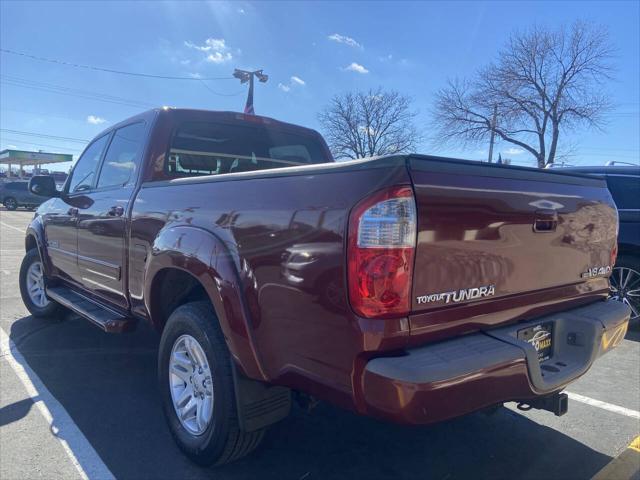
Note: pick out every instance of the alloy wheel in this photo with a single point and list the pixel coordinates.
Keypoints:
(11, 204)
(625, 287)
(35, 285)
(191, 385)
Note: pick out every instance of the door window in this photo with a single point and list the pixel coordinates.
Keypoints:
(122, 159)
(87, 166)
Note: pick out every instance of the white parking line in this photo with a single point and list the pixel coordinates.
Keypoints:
(77, 447)
(12, 227)
(604, 405)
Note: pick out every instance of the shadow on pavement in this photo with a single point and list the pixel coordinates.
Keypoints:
(107, 384)
(15, 411)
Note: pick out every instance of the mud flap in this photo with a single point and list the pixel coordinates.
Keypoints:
(259, 404)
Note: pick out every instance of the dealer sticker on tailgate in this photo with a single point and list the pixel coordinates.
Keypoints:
(540, 336)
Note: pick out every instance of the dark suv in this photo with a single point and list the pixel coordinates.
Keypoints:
(624, 185)
(17, 194)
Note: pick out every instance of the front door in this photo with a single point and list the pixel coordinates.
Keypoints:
(60, 219)
(102, 226)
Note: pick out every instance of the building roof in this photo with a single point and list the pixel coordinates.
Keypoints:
(23, 157)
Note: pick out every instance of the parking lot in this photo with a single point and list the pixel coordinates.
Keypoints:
(79, 402)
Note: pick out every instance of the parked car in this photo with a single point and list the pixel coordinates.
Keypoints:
(17, 194)
(624, 185)
(462, 285)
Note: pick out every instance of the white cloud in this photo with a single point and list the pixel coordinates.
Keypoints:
(12, 147)
(336, 37)
(95, 120)
(294, 81)
(218, 57)
(195, 75)
(356, 67)
(216, 48)
(241, 11)
(513, 151)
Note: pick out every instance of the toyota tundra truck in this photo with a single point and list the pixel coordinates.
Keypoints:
(409, 288)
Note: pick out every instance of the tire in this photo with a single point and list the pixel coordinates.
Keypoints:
(627, 272)
(10, 203)
(221, 441)
(49, 309)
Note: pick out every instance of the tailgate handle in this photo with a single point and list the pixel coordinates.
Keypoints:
(545, 221)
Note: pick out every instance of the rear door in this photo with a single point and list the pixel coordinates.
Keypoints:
(625, 190)
(21, 192)
(61, 217)
(102, 225)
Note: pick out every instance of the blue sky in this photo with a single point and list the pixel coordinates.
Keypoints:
(311, 51)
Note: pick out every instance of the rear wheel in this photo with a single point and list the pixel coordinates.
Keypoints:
(10, 203)
(196, 384)
(625, 284)
(32, 286)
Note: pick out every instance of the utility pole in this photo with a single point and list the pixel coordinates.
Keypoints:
(493, 131)
(247, 76)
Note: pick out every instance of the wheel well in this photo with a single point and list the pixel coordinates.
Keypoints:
(30, 243)
(171, 288)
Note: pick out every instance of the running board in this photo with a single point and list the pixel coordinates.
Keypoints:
(101, 316)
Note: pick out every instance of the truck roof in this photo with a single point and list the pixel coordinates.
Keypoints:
(219, 115)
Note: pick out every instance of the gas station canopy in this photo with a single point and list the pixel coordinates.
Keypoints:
(24, 158)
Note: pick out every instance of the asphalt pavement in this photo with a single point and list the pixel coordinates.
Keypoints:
(79, 403)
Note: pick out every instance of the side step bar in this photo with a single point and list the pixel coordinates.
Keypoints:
(101, 316)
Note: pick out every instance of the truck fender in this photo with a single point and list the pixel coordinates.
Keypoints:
(35, 233)
(203, 255)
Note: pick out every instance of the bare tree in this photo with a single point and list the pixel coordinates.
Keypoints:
(366, 124)
(543, 82)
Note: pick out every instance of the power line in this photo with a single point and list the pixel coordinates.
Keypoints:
(62, 90)
(221, 94)
(42, 135)
(109, 70)
(48, 145)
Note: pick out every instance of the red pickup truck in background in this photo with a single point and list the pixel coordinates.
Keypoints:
(409, 288)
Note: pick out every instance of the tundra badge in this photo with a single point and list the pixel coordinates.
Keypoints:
(459, 295)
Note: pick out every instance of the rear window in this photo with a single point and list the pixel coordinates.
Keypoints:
(200, 148)
(625, 191)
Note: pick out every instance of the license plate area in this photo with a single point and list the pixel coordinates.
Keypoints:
(540, 336)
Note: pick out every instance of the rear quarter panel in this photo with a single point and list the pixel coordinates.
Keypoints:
(304, 336)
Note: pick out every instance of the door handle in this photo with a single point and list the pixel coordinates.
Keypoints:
(73, 211)
(545, 221)
(116, 211)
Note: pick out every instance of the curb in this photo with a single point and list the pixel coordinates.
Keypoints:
(625, 466)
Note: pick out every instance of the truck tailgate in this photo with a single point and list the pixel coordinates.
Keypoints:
(488, 232)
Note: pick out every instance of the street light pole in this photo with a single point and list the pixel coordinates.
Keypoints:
(248, 76)
(493, 132)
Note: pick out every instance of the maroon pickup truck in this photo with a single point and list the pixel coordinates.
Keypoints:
(409, 288)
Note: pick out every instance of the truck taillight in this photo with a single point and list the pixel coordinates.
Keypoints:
(382, 242)
(614, 255)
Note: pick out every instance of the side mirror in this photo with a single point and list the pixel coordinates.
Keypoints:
(43, 185)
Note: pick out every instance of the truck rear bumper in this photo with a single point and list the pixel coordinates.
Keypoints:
(455, 377)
